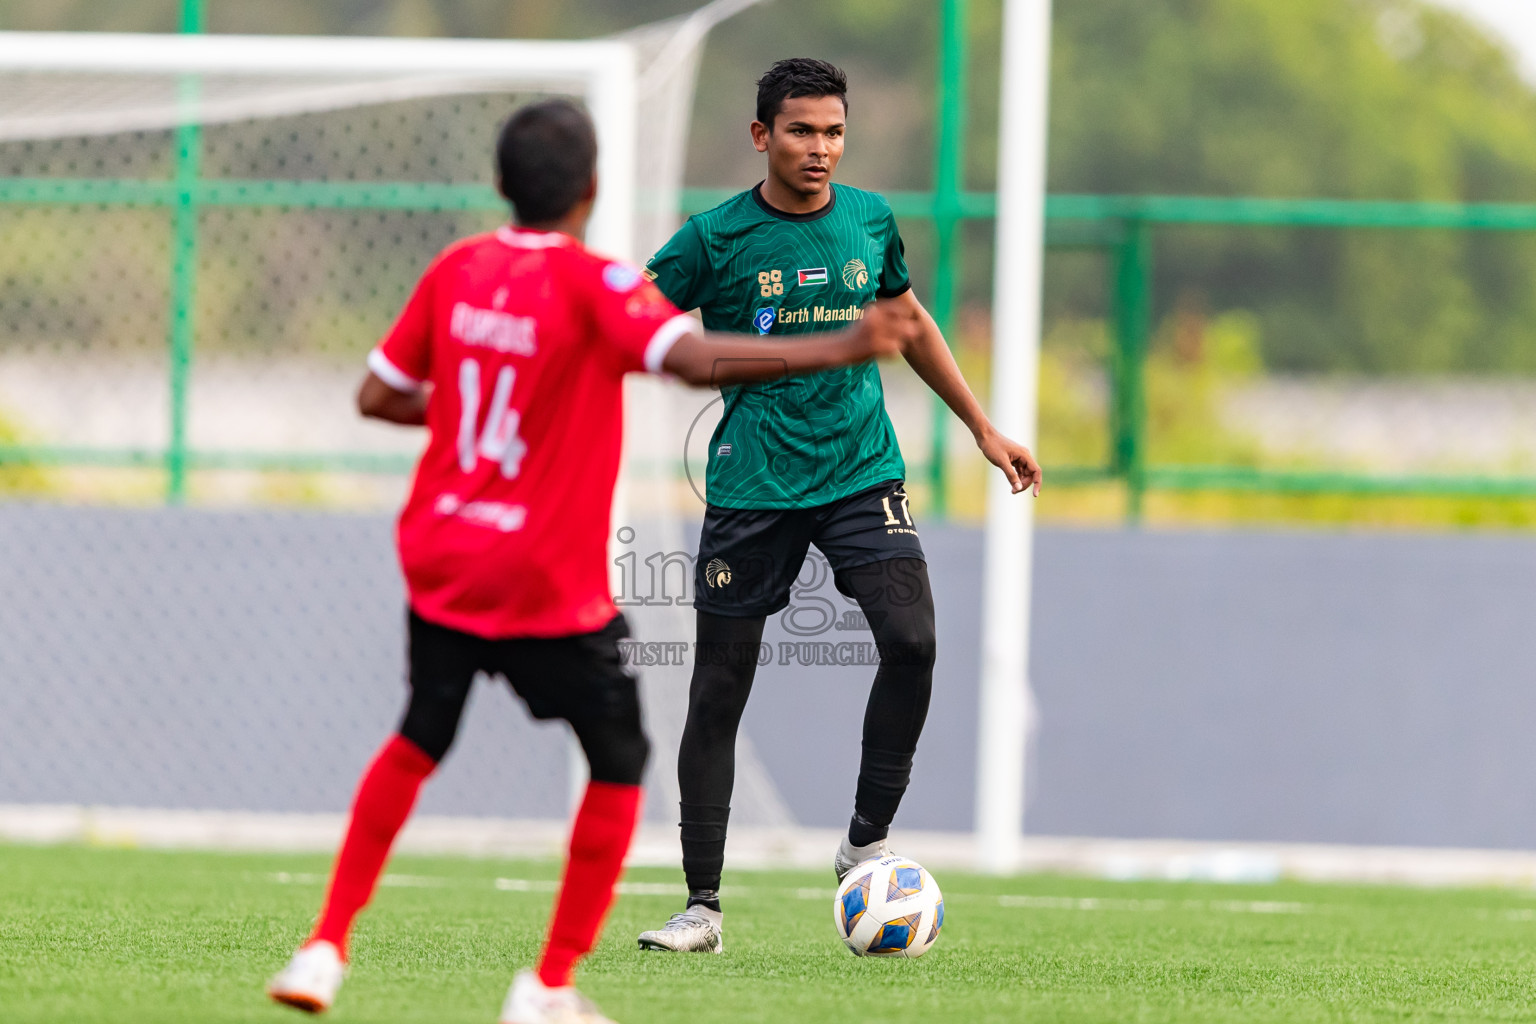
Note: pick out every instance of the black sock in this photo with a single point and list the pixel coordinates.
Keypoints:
(883, 778)
(703, 828)
(862, 833)
(704, 898)
(725, 661)
(897, 601)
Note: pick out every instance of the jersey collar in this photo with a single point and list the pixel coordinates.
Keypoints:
(799, 218)
(517, 238)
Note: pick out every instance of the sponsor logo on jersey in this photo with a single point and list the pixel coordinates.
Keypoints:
(770, 283)
(717, 573)
(855, 275)
(492, 329)
(821, 315)
(723, 450)
(497, 515)
(816, 275)
(620, 277)
(763, 319)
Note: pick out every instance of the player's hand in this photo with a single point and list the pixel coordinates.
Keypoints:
(887, 329)
(1016, 461)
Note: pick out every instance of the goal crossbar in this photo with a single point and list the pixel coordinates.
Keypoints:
(507, 61)
(322, 73)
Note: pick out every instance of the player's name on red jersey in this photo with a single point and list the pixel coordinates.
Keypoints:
(493, 329)
(524, 339)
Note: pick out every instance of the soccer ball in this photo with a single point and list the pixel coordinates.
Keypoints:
(888, 907)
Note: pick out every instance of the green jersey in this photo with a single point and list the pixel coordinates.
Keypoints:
(750, 268)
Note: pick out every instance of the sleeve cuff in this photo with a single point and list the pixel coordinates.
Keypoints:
(665, 337)
(891, 293)
(391, 374)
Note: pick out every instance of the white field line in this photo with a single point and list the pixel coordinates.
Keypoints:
(1507, 915)
(657, 845)
(1154, 906)
(1088, 903)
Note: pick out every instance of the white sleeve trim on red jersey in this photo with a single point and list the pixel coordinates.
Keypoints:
(391, 374)
(665, 337)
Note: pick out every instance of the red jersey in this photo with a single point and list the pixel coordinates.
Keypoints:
(525, 339)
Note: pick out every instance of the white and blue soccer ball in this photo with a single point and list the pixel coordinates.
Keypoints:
(888, 907)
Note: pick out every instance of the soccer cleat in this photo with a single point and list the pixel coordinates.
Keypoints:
(310, 980)
(850, 856)
(696, 930)
(530, 1001)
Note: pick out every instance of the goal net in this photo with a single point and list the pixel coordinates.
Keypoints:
(200, 239)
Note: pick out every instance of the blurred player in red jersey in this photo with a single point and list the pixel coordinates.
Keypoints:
(512, 352)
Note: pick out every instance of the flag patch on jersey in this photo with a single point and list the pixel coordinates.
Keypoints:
(816, 275)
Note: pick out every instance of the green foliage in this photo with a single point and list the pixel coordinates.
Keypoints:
(1365, 99)
(1183, 425)
(1074, 418)
(1193, 367)
(1183, 390)
(21, 480)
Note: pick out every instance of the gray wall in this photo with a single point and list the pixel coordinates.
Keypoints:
(1310, 687)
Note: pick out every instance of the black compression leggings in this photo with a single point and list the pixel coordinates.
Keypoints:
(576, 678)
(898, 603)
(616, 748)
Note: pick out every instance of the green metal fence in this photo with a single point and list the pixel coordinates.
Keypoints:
(1122, 227)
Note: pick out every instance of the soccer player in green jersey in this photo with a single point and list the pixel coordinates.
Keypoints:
(806, 461)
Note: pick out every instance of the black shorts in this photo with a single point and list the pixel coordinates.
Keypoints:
(578, 678)
(749, 558)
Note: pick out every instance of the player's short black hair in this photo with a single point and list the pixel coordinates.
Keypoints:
(798, 76)
(546, 157)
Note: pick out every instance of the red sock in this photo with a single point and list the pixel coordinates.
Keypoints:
(383, 802)
(600, 838)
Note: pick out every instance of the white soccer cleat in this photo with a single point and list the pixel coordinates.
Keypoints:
(850, 856)
(310, 980)
(696, 930)
(530, 1001)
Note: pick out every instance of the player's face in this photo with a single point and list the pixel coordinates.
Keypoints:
(806, 142)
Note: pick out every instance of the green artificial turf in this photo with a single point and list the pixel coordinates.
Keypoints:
(123, 936)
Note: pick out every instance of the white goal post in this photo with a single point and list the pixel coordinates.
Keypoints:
(1006, 704)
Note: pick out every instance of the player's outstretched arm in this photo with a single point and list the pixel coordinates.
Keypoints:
(717, 360)
(931, 358)
(377, 400)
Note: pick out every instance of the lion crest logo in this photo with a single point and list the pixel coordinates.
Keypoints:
(855, 275)
(717, 573)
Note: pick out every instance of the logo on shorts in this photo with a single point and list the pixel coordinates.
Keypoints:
(763, 319)
(717, 573)
(855, 274)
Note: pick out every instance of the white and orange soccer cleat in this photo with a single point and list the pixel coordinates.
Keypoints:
(530, 1001)
(311, 979)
